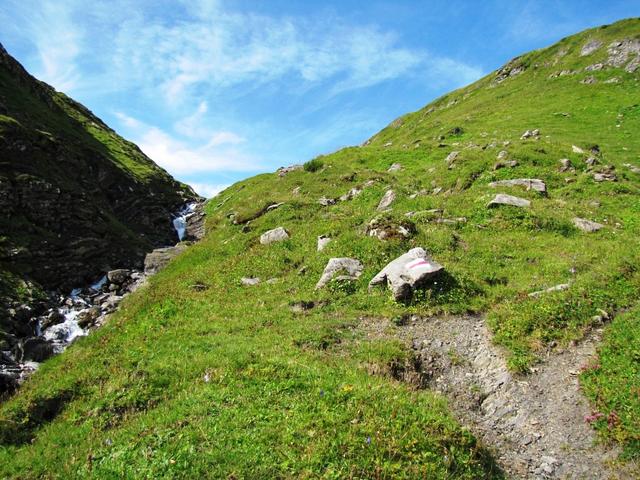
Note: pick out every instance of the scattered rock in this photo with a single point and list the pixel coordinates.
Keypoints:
(576, 149)
(590, 47)
(274, 206)
(633, 168)
(619, 52)
(351, 194)
(388, 144)
(119, 276)
(276, 235)
(351, 267)
(386, 229)
(452, 157)
(302, 306)
(528, 183)
(556, 288)
(531, 134)
(503, 199)
(160, 257)
(396, 167)
(605, 176)
(512, 69)
(282, 171)
(507, 164)
(249, 281)
(612, 80)
(54, 317)
(590, 80)
(386, 201)
(502, 156)
(323, 241)
(587, 225)
(326, 202)
(594, 68)
(565, 165)
(406, 273)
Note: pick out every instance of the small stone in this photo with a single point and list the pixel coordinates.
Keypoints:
(452, 157)
(556, 288)
(565, 165)
(530, 134)
(503, 155)
(396, 167)
(528, 183)
(325, 202)
(576, 149)
(249, 281)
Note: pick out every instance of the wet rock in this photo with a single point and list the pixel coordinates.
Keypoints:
(195, 224)
(587, 225)
(249, 281)
(323, 241)
(119, 276)
(556, 288)
(160, 258)
(36, 349)
(528, 183)
(590, 47)
(387, 199)
(54, 317)
(406, 273)
(276, 235)
(503, 199)
(88, 317)
(350, 268)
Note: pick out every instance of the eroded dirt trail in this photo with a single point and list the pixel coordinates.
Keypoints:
(534, 424)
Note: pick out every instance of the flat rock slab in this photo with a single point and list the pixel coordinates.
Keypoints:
(587, 225)
(406, 273)
(350, 267)
(276, 235)
(528, 183)
(504, 199)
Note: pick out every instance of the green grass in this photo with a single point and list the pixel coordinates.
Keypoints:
(288, 394)
(612, 382)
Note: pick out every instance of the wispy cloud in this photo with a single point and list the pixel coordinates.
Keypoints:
(214, 152)
(208, 190)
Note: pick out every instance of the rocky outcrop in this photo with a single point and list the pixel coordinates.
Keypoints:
(160, 258)
(77, 199)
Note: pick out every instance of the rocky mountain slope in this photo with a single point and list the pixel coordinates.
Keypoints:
(77, 200)
(503, 218)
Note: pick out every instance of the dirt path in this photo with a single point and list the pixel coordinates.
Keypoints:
(534, 424)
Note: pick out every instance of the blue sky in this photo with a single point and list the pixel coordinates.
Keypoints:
(216, 91)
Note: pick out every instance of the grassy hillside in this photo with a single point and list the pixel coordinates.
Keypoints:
(199, 375)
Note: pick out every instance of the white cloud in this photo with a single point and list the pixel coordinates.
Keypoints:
(210, 152)
(208, 190)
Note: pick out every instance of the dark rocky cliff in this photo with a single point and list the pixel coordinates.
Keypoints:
(76, 199)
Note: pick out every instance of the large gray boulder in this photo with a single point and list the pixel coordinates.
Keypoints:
(504, 199)
(194, 229)
(528, 183)
(406, 273)
(276, 235)
(160, 257)
(350, 268)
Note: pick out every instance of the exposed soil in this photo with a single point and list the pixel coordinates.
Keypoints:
(534, 424)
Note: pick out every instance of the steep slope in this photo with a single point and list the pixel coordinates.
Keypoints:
(76, 198)
(203, 373)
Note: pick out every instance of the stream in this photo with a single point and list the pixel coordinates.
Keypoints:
(75, 315)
